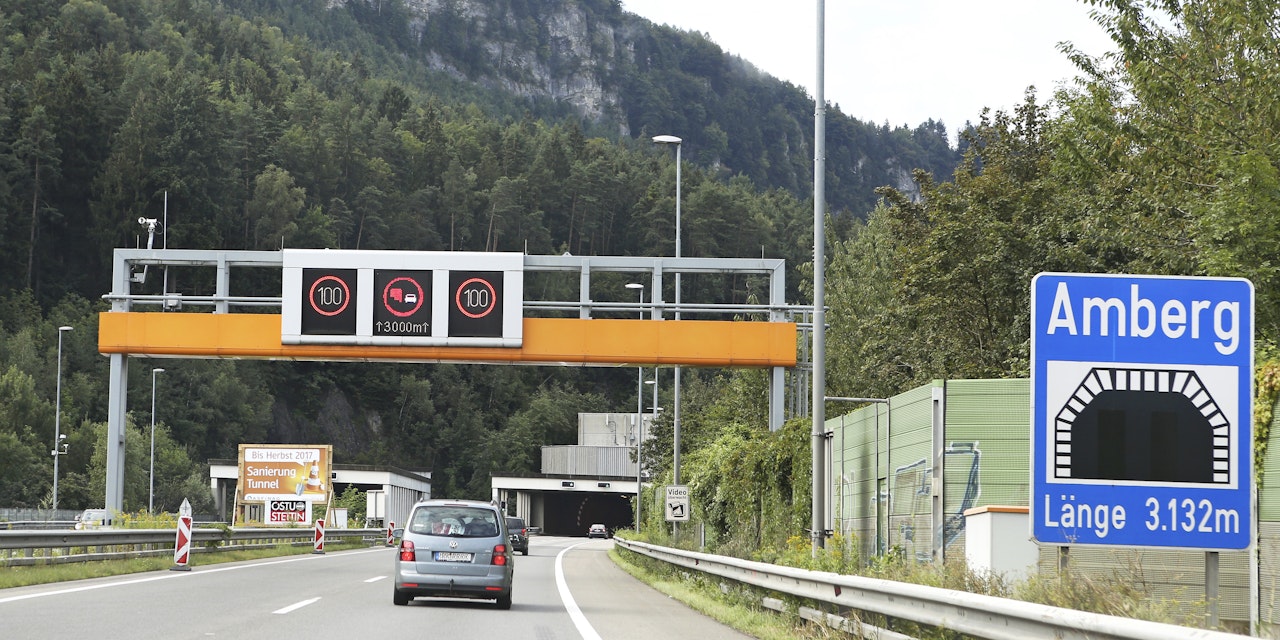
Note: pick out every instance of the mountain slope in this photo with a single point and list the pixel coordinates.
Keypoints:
(626, 75)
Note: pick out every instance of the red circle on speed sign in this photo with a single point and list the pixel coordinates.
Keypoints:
(479, 294)
(329, 300)
(393, 297)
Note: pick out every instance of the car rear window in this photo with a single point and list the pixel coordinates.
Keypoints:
(515, 524)
(454, 520)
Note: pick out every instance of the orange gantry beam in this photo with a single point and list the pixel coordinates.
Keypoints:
(574, 341)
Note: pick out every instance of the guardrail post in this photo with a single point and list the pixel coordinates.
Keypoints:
(1211, 586)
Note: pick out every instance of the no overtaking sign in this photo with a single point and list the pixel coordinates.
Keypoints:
(1141, 413)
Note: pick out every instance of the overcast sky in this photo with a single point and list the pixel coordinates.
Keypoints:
(899, 61)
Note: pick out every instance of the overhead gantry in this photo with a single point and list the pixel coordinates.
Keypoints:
(411, 306)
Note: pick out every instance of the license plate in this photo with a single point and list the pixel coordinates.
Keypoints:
(452, 556)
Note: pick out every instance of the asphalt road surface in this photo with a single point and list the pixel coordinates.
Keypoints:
(565, 589)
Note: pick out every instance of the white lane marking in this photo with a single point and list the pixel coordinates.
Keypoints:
(295, 606)
(580, 621)
(375, 578)
(168, 575)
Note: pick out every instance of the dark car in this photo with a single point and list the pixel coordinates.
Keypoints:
(519, 535)
(597, 531)
(454, 549)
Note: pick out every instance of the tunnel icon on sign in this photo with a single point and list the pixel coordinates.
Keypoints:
(1144, 425)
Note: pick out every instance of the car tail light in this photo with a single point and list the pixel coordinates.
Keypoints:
(407, 552)
(499, 554)
(524, 532)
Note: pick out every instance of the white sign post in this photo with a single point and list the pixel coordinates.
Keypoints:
(677, 503)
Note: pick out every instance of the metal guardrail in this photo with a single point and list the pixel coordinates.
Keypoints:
(37, 525)
(21, 547)
(976, 615)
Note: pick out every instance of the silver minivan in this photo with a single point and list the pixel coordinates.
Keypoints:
(454, 549)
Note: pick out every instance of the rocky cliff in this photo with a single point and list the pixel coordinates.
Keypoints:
(561, 51)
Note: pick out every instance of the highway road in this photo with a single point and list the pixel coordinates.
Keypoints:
(565, 589)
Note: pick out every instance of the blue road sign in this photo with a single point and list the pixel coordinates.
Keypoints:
(1141, 411)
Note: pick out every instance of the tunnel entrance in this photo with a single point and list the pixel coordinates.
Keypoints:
(569, 513)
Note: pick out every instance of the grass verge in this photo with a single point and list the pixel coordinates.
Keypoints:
(726, 606)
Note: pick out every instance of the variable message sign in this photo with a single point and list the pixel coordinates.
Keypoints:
(402, 298)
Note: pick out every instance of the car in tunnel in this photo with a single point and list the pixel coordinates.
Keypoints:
(598, 531)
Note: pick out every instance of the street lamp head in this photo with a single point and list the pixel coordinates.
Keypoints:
(157, 370)
(651, 382)
(65, 328)
(667, 140)
(634, 285)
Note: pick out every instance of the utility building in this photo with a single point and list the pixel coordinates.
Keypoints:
(591, 482)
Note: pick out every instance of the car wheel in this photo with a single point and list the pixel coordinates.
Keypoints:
(525, 552)
(400, 599)
(504, 602)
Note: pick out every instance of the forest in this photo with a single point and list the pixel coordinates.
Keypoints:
(261, 126)
(268, 125)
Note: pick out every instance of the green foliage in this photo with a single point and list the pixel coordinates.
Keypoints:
(751, 486)
(838, 555)
(353, 500)
(1266, 394)
(258, 125)
(144, 520)
(1164, 162)
(1125, 592)
(311, 125)
(1177, 134)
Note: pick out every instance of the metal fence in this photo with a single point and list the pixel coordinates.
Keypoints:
(15, 518)
(25, 548)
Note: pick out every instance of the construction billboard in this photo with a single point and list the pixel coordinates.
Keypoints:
(285, 472)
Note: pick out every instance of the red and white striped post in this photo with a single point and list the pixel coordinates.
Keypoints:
(391, 534)
(319, 536)
(182, 542)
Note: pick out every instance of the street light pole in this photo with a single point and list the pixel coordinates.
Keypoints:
(58, 449)
(819, 486)
(675, 399)
(639, 415)
(151, 491)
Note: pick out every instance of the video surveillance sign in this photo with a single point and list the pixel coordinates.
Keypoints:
(1141, 412)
